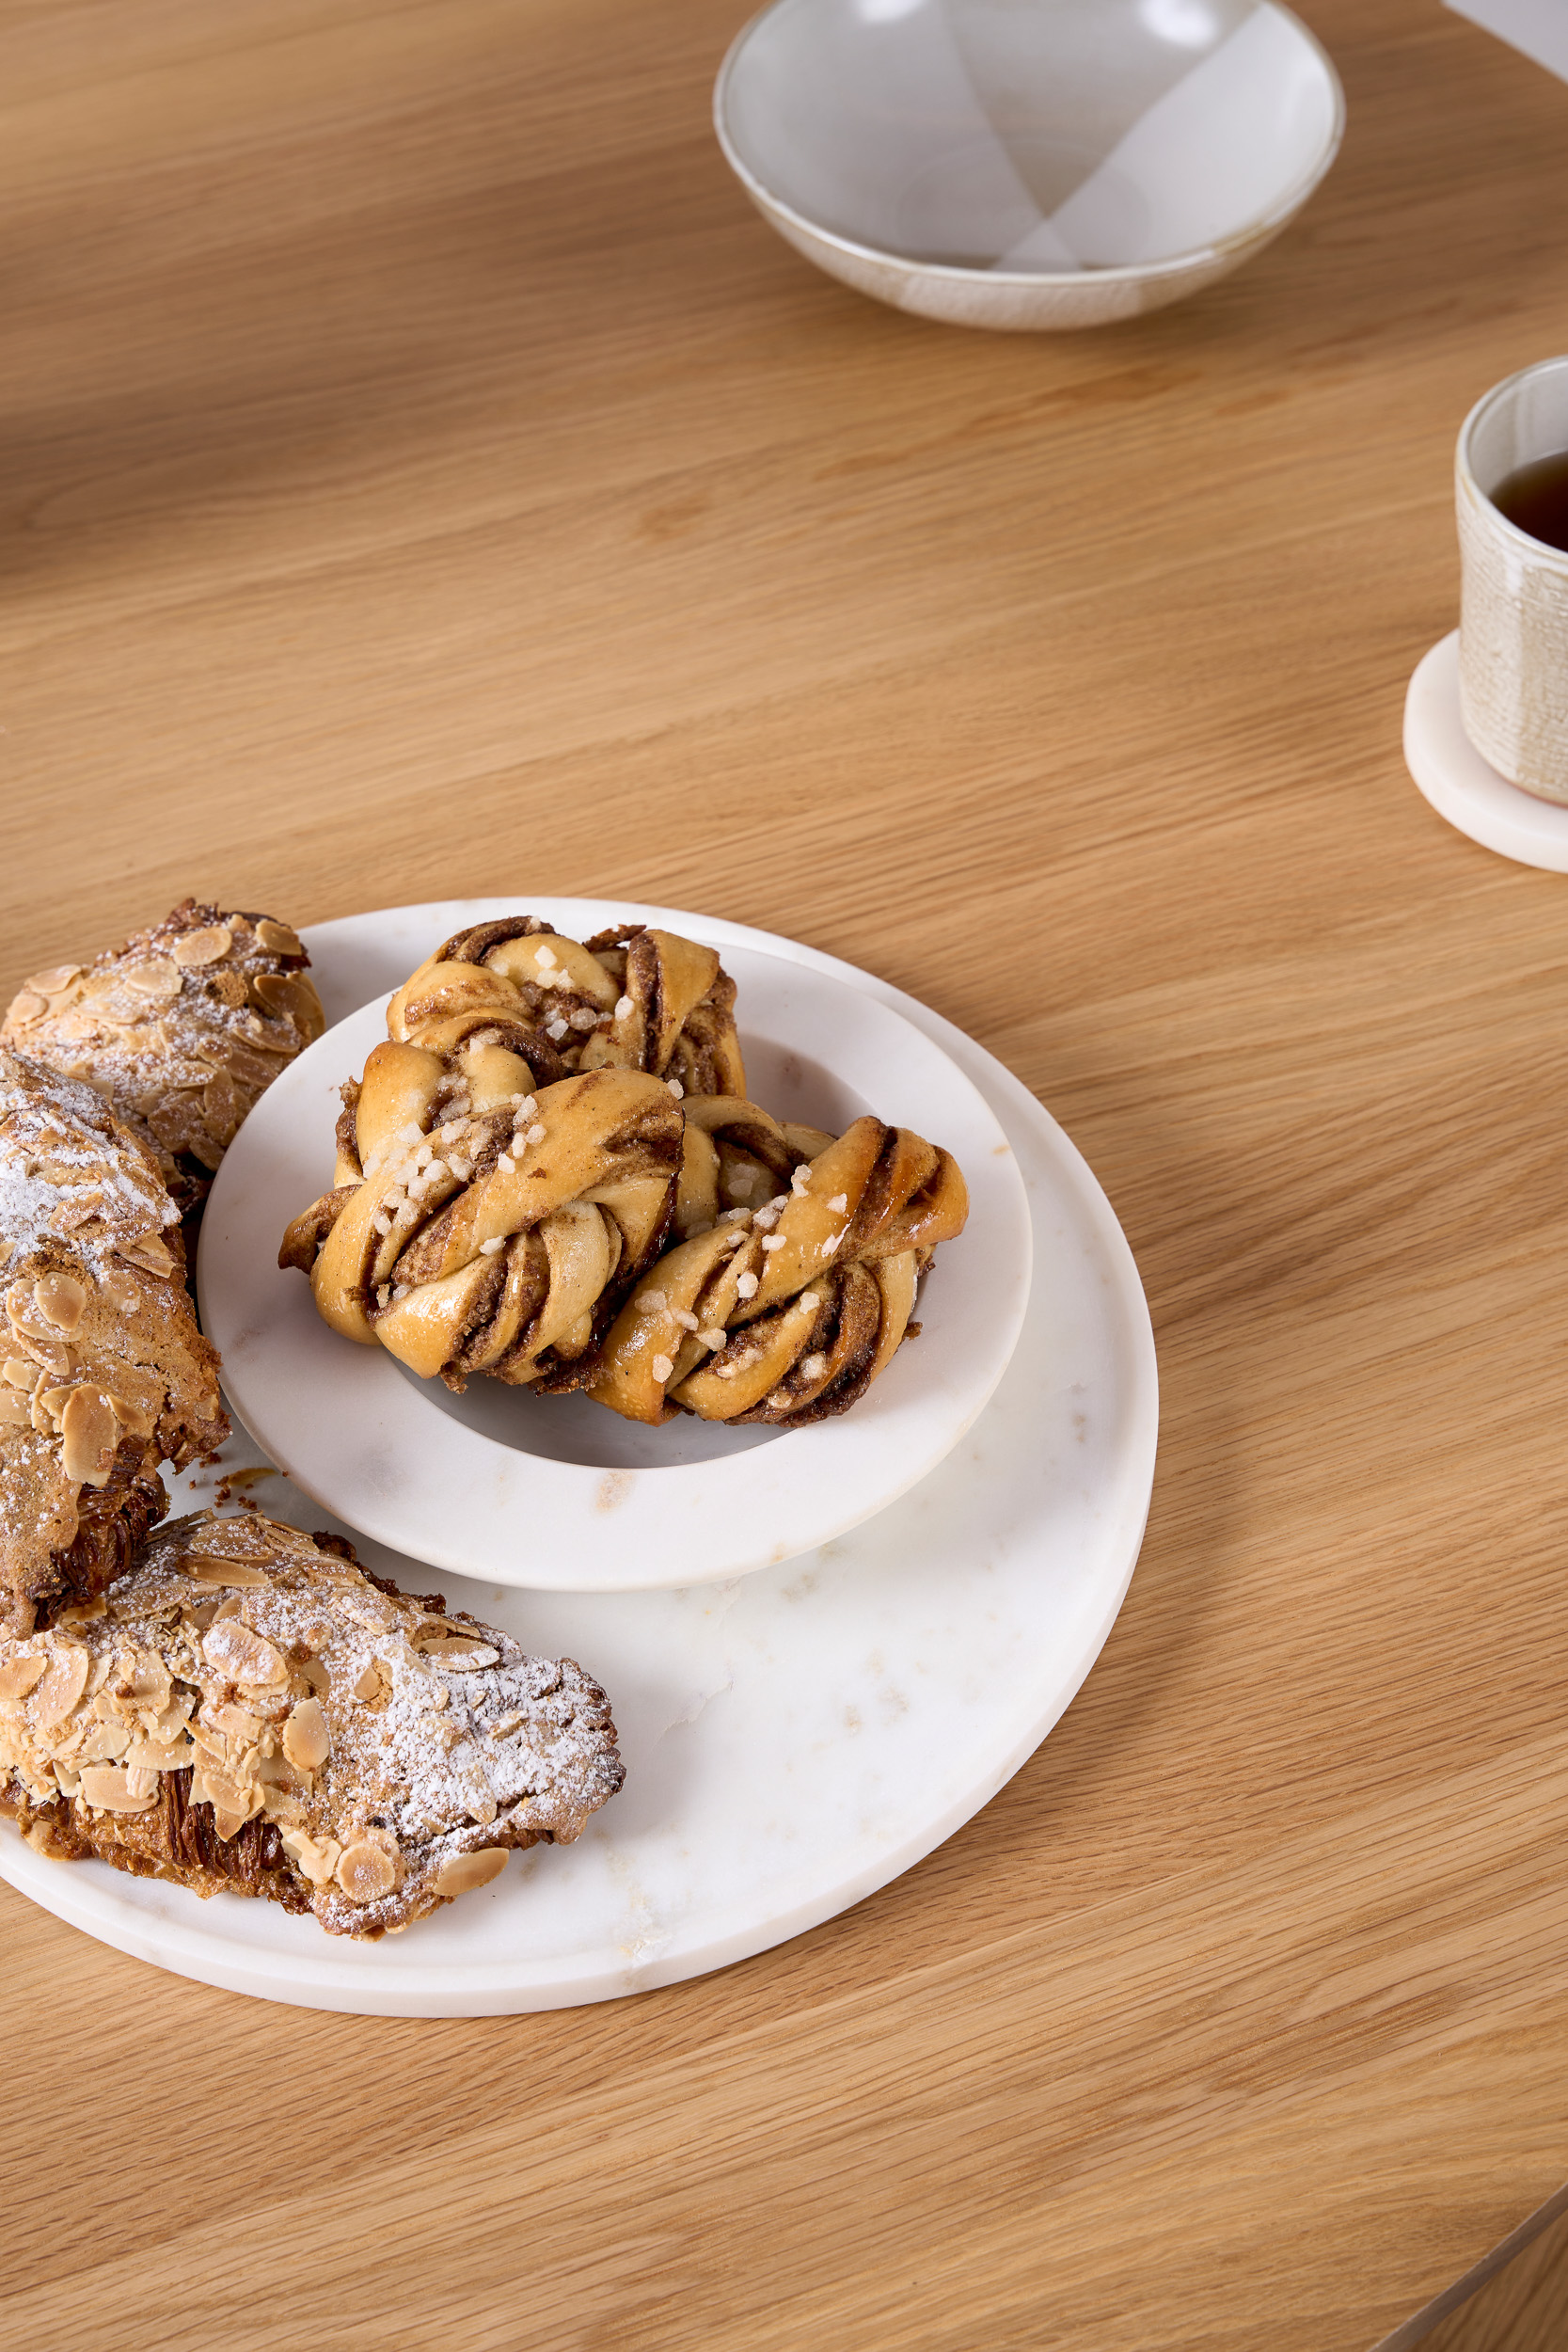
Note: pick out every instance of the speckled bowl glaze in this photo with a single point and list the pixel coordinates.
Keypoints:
(1028, 163)
(1513, 615)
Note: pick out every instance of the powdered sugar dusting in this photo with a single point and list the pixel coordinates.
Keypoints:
(432, 1737)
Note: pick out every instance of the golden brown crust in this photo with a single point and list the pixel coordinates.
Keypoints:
(631, 998)
(787, 1311)
(181, 1029)
(248, 1712)
(102, 1371)
(479, 1227)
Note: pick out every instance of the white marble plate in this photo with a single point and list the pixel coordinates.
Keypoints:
(793, 1739)
(560, 1494)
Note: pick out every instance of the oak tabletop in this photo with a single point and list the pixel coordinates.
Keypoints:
(424, 475)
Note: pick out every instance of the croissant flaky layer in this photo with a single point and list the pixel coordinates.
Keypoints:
(785, 1312)
(629, 999)
(477, 1226)
(102, 1371)
(246, 1712)
(181, 1030)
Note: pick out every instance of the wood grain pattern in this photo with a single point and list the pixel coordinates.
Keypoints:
(422, 473)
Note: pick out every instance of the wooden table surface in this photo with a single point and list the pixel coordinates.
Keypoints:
(423, 474)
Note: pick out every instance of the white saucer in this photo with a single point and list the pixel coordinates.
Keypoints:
(1467, 789)
(792, 1740)
(559, 1494)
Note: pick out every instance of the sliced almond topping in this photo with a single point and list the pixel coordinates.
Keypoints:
(83, 1611)
(276, 938)
(107, 1787)
(465, 1657)
(462, 1872)
(160, 1755)
(196, 949)
(18, 1373)
(157, 978)
(280, 993)
(369, 1683)
(130, 1416)
(26, 1006)
(307, 1740)
(366, 1872)
(370, 1608)
(53, 982)
(90, 1434)
(318, 1675)
(43, 1837)
(62, 1684)
(316, 1859)
(210, 1571)
(149, 1682)
(149, 1251)
(59, 1299)
(281, 1806)
(15, 1410)
(231, 1649)
(230, 1795)
(19, 1676)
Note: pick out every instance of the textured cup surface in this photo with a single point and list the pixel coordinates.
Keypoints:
(1513, 613)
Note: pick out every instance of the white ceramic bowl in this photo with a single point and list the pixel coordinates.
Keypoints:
(557, 1494)
(1028, 163)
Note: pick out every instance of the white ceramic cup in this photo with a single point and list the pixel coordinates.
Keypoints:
(1513, 612)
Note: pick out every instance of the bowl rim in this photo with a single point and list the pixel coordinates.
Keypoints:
(384, 1454)
(1122, 273)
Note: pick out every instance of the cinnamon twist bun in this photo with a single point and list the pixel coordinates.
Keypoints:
(785, 1313)
(246, 1712)
(181, 1030)
(102, 1371)
(627, 999)
(477, 1226)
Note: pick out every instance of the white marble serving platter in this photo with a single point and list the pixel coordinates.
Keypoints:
(559, 1493)
(796, 1738)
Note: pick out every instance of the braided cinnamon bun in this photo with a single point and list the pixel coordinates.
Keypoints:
(477, 1225)
(787, 1311)
(627, 999)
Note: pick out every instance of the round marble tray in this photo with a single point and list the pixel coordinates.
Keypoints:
(793, 1739)
(558, 1493)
